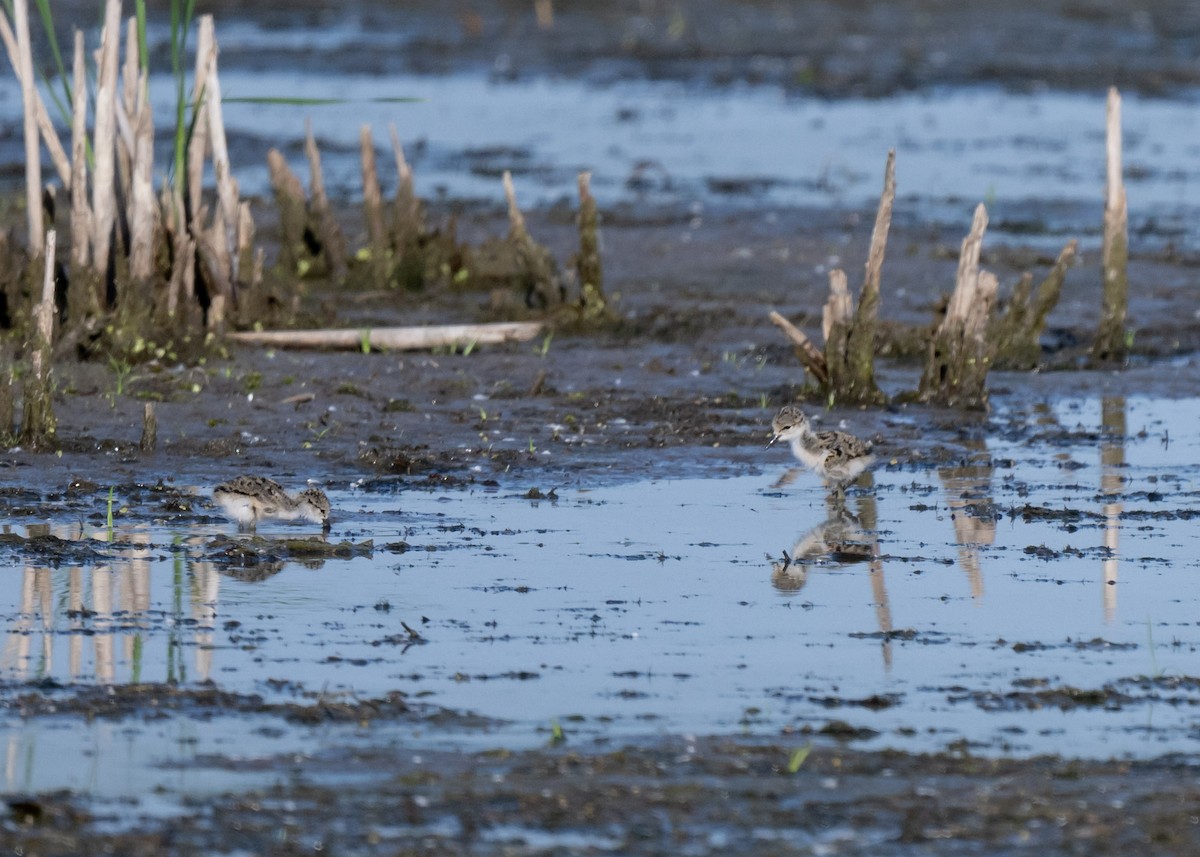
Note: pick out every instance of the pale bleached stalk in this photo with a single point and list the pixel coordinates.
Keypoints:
(869, 299)
(142, 203)
(81, 215)
(38, 424)
(1110, 338)
(33, 152)
(104, 139)
(839, 306)
(967, 280)
(226, 189)
(372, 195)
(408, 207)
(198, 144)
(49, 135)
(245, 243)
(516, 220)
(402, 168)
(127, 116)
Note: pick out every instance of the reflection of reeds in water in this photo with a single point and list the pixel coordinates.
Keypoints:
(968, 490)
(1112, 459)
(108, 604)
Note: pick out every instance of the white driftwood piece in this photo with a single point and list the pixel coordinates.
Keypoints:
(395, 338)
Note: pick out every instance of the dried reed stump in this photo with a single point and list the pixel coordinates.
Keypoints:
(589, 269)
(850, 334)
(845, 371)
(331, 246)
(1016, 335)
(538, 272)
(38, 423)
(959, 354)
(294, 255)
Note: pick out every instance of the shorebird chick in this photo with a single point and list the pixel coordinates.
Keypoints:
(250, 499)
(838, 458)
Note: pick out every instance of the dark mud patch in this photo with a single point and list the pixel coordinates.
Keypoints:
(148, 701)
(1031, 694)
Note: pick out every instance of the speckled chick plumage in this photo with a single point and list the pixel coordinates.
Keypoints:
(250, 499)
(837, 457)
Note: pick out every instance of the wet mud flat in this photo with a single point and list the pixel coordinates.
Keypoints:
(684, 389)
(702, 796)
(1069, 505)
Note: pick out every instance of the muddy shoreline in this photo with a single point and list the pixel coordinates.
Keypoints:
(684, 386)
(702, 795)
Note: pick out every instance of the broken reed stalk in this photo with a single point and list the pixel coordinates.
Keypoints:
(1110, 343)
(959, 354)
(806, 352)
(409, 225)
(126, 122)
(542, 287)
(1016, 336)
(293, 211)
(588, 266)
(846, 369)
(33, 152)
(104, 197)
(149, 429)
(225, 220)
(38, 423)
(143, 204)
(329, 234)
(198, 145)
(852, 361)
(81, 213)
(372, 195)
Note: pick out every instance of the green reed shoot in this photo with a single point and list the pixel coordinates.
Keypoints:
(110, 516)
(798, 757)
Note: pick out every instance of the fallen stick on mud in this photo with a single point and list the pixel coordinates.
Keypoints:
(395, 338)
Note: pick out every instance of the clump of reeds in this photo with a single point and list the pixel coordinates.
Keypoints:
(150, 272)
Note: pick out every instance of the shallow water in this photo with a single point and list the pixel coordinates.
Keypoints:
(1036, 158)
(1061, 556)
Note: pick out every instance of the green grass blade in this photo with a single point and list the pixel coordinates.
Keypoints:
(43, 7)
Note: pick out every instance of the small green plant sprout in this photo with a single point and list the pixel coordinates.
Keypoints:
(121, 372)
(544, 349)
(532, 448)
(557, 736)
(764, 400)
(483, 415)
(798, 758)
(1158, 671)
(469, 347)
(110, 515)
(364, 340)
(1129, 336)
